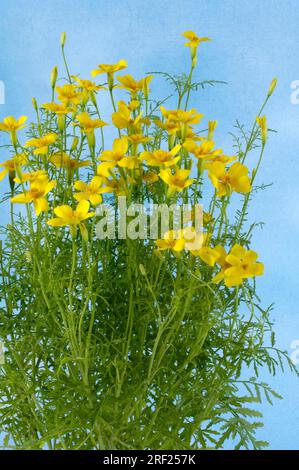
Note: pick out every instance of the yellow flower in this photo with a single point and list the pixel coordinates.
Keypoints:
(116, 186)
(234, 179)
(181, 116)
(198, 245)
(88, 85)
(218, 158)
(193, 39)
(87, 124)
(10, 124)
(36, 194)
(89, 192)
(110, 69)
(208, 254)
(172, 240)
(10, 166)
(150, 177)
(240, 264)
(42, 143)
(136, 139)
(202, 151)
(59, 109)
(63, 160)
(35, 176)
(172, 127)
(68, 94)
(161, 158)
(122, 117)
(66, 216)
(262, 122)
(177, 181)
(193, 43)
(116, 157)
(132, 85)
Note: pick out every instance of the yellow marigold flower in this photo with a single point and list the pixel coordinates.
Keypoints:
(181, 116)
(116, 157)
(36, 194)
(87, 124)
(89, 191)
(10, 124)
(193, 39)
(172, 240)
(68, 94)
(234, 179)
(116, 186)
(136, 139)
(172, 127)
(241, 264)
(262, 122)
(59, 109)
(66, 216)
(134, 104)
(161, 158)
(35, 176)
(150, 177)
(88, 85)
(122, 117)
(129, 83)
(177, 181)
(42, 143)
(118, 152)
(204, 150)
(63, 160)
(10, 166)
(110, 69)
(218, 158)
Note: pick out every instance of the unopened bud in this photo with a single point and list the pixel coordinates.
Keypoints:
(62, 39)
(142, 270)
(53, 77)
(84, 232)
(272, 87)
(34, 104)
(262, 122)
(212, 127)
(74, 144)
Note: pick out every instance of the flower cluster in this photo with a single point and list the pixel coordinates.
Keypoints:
(158, 153)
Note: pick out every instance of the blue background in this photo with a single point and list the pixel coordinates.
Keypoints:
(253, 41)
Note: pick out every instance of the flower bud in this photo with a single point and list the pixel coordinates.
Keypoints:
(142, 270)
(84, 232)
(61, 122)
(53, 76)
(212, 127)
(62, 39)
(34, 104)
(262, 122)
(272, 87)
(74, 144)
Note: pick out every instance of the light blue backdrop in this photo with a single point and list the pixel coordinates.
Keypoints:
(253, 41)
